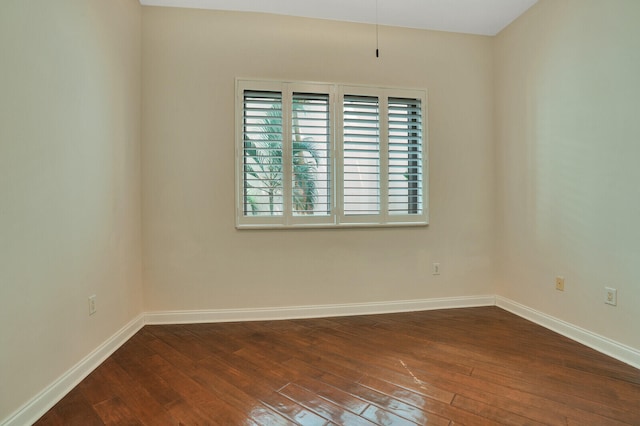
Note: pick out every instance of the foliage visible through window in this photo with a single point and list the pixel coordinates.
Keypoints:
(310, 161)
(263, 154)
(328, 155)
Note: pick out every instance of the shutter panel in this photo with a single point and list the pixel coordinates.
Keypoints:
(311, 155)
(262, 154)
(405, 156)
(361, 155)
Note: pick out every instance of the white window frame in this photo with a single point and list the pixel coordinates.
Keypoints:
(336, 217)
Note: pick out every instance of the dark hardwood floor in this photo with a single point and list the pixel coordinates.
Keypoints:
(475, 366)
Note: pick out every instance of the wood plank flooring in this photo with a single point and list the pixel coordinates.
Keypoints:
(475, 366)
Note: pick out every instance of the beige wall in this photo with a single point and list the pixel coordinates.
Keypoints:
(69, 185)
(194, 258)
(568, 144)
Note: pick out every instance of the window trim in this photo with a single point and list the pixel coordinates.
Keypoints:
(336, 217)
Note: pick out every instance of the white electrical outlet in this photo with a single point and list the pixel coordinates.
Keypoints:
(436, 269)
(611, 296)
(92, 304)
(560, 283)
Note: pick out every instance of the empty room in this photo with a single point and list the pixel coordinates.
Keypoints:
(357, 212)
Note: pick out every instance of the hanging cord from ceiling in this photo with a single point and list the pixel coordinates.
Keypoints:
(377, 31)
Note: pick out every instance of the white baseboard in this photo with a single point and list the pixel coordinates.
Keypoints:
(314, 311)
(47, 398)
(601, 344)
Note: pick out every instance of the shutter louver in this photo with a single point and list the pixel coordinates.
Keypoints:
(311, 155)
(262, 153)
(361, 155)
(405, 156)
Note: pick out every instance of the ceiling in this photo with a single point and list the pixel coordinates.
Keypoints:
(484, 17)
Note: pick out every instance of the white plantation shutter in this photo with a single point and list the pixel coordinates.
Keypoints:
(405, 156)
(262, 154)
(361, 155)
(311, 155)
(327, 155)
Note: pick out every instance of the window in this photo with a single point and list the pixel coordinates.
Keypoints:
(361, 155)
(311, 155)
(262, 156)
